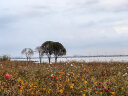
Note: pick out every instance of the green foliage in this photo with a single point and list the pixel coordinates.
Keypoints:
(53, 48)
(58, 49)
(4, 58)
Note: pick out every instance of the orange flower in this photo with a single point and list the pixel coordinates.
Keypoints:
(61, 72)
(44, 89)
(82, 79)
(7, 76)
(71, 86)
(57, 78)
(85, 69)
(59, 75)
(85, 82)
(113, 93)
(61, 91)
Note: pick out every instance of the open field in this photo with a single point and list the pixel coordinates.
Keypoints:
(63, 79)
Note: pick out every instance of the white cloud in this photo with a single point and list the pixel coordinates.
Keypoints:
(120, 22)
(121, 29)
(111, 5)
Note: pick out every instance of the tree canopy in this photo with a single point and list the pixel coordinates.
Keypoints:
(53, 48)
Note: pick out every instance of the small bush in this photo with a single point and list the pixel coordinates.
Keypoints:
(4, 58)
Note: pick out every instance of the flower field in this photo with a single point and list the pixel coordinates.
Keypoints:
(63, 79)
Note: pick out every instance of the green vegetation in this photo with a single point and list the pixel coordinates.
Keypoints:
(4, 58)
(63, 79)
(48, 48)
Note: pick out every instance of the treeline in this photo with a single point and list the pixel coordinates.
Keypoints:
(48, 48)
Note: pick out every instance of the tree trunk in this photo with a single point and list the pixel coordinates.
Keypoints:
(56, 59)
(49, 58)
(27, 59)
(40, 60)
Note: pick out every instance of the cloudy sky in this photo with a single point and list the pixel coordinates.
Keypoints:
(84, 27)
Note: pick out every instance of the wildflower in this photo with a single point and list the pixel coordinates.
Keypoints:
(52, 75)
(32, 85)
(19, 80)
(61, 91)
(19, 86)
(125, 74)
(101, 93)
(44, 89)
(21, 90)
(95, 83)
(85, 82)
(79, 87)
(84, 69)
(7, 76)
(71, 87)
(57, 78)
(49, 90)
(113, 93)
(83, 94)
(73, 74)
(61, 72)
(82, 79)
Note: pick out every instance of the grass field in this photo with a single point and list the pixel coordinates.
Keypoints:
(63, 79)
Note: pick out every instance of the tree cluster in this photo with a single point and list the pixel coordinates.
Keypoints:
(48, 48)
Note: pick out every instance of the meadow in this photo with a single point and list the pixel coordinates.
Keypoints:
(63, 79)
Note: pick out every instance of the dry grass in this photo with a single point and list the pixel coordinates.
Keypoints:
(64, 79)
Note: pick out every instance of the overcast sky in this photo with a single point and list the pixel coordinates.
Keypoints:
(84, 27)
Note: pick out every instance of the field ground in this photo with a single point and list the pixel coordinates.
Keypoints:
(63, 79)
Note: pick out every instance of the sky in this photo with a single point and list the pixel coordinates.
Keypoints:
(84, 27)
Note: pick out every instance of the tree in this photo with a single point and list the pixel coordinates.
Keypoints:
(58, 50)
(28, 53)
(40, 52)
(48, 49)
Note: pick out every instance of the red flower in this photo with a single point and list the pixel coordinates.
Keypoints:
(7, 76)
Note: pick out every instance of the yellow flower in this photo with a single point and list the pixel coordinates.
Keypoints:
(21, 91)
(83, 94)
(71, 87)
(61, 91)
(85, 82)
(73, 74)
(95, 83)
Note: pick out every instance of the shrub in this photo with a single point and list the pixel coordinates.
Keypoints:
(4, 58)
